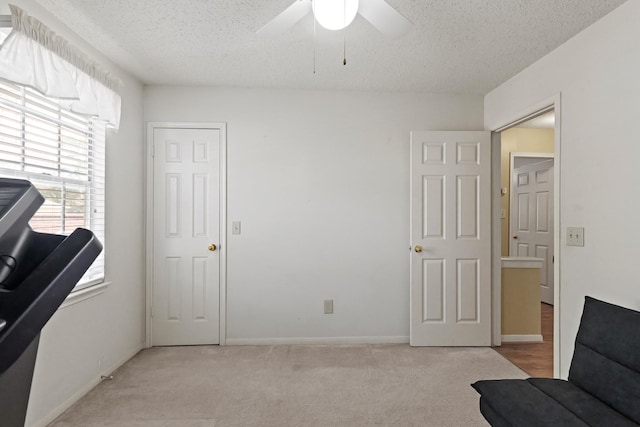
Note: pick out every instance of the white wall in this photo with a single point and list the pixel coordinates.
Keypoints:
(596, 73)
(320, 183)
(84, 340)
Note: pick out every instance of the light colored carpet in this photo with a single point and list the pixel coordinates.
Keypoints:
(281, 386)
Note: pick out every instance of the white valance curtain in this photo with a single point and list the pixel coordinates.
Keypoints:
(33, 55)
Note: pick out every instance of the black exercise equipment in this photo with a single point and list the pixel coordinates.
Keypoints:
(37, 272)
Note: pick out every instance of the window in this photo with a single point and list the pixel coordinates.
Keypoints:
(63, 155)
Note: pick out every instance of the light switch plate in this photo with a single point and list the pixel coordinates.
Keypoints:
(575, 236)
(235, 227)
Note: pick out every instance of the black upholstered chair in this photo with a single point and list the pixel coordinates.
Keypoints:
(603, 388)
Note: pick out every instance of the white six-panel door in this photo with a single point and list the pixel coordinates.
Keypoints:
(531, 219)
(186, 223)
(450, 239)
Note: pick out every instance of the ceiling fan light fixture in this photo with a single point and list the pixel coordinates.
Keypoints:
(335, 14)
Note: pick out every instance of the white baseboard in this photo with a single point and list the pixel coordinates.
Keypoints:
(318, 340)
(522, 338)
(56, 412)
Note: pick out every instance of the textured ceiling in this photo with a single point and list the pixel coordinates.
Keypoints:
(456, 46)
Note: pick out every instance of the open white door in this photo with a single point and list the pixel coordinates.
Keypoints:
(531, 218)
(451, 239)
(186, 236)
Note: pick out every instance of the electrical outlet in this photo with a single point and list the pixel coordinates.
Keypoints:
(575, 236)
(328, 306)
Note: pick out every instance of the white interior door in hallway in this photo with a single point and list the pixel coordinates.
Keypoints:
(186, 236)
(451, 239)
(531, 218)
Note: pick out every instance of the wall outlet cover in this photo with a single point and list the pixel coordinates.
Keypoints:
(328, 306)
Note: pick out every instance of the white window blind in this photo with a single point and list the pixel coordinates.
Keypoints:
(63, 155)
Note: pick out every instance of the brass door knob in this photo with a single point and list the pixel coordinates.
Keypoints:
(418, 248)
(515, 236)
(212, 247)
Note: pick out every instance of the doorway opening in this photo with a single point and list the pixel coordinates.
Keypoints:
(527, 243)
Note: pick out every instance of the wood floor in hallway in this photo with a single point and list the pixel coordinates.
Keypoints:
(536, 359)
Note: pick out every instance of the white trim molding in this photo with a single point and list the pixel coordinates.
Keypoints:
(319, 340)
(56, 412)
(522, 338)
(521, 262)
(84, 294)
(513, 118)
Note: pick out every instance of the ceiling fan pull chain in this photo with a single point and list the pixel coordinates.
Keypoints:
(344, 39)
(344, 48)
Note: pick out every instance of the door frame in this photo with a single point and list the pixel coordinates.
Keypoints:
(512, 159)
(151, 127)
(551, 103)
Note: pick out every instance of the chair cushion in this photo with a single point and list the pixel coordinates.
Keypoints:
(544, 402)
(490, 414)
(604, 379)
(523, 405)
(606, 360)
(582, 404)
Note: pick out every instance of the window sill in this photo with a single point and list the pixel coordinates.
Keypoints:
(84, 294)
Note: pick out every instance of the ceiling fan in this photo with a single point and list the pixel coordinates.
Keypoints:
(378, 12)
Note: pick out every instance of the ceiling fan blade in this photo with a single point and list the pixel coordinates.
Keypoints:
(384, 17)
(287, 19)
